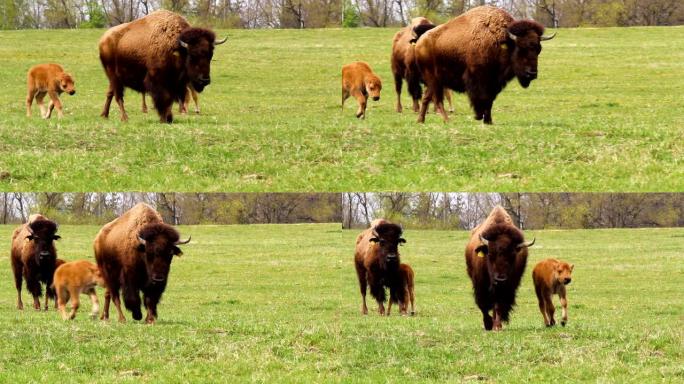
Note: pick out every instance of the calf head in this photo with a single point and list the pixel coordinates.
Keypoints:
(42, 235)
(159, 243)
(387, 236)
(197, 45)
(501, 245)
(66, 83)
(373, 87)
(563, 272)
(97, 275)
(525, 37)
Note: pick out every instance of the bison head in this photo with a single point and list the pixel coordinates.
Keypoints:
(563, 273)
(388, 237)
(373, 87)
(42, 235)
(525, 37)
(198, 45)
(159, 243)
(500, 245)
(66, 83)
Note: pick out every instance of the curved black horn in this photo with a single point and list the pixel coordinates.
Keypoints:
(219, 42)
(180, 242)
(544, 38)
(526, 244)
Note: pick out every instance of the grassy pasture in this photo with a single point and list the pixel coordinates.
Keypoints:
(280, 303)
(606, 114)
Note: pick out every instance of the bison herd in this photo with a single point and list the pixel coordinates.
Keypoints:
(133, 255)
(495, 256)
(476, 53)
(159, 54)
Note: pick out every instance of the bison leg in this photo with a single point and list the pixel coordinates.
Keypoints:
(427, 98)
(487, 320)
(447, 94)
(564, 305)
(363, 285)
(17, 268)
(144, 103)
(362, 100)
(398, 80)
(483, 109)
(415, 90)
(119, 97)
(108, 100)
(95, 303)
(117, 304)
(132, 300)
(439, 103)
(378, 292)
(163, 103)
(55, 103)
(29, 101)
(105, 309)
(33, 286)
(497, 318)
(151, 305)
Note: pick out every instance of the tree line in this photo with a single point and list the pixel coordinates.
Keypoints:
(528, 210)
(175, 208)
(31, 14)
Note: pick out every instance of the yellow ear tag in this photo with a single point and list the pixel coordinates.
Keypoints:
(480, 254)
(175, 53)
(504, 46)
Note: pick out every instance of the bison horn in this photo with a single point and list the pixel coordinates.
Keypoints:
(512, 36)
(544, 38)
(484, 241)
(179, 242)
(526, 244)
(183, 44)
(219, 42)
(141, 240)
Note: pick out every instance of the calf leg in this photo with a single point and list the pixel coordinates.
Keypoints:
(55, 103)
(29, 101)
(362, 100)
(412, 295)
(75, 303)
(62, 299)
(550, 309)
(542, 304)
(39, 100)
(497, 318)
(95, 303)
(345, 96)
(447, 94)
(195, 99)
(17, 268)
(564, 305)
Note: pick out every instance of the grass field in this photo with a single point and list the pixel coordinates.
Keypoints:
(280, 303)
(605, 115)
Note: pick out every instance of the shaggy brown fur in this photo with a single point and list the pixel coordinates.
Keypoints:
(134, 254)
(478, 53)
(550, 277)
(182, 103)
(496, 256)
(358, 80)
(159, 54)
(377, 260)
(407, 278)
(33, 257)
(51, 80)
(72, 279)
(404, 65)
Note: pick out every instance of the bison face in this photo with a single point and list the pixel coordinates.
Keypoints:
(66, 84)
(388, 237)
(198, 45)
(564, 273)
(42, 235)
(159, 243)
(525, 38)
(501, 251)
(373, 88)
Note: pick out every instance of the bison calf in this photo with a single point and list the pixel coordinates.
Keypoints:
(407, 278)
(358, 80)
(51, 80)
(550, 277)
(73, 278)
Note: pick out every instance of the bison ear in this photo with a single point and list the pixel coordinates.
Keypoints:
(572, 266)
(402, 240)
(176, 251)
(374, 240)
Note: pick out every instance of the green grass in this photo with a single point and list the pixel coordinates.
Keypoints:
(280, 303)
(605, 115)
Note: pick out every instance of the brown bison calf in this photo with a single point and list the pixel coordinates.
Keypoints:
(358, 80)
(407, 278)
(550, 277)
(47, 79)
(73, 278)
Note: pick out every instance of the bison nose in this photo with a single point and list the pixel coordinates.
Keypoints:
(158, 279)
(72, 92)
(567, 281)
(531, 75)
(392, 256)
(500, 279)
(44, 253)
(376, 98)
(204, 81)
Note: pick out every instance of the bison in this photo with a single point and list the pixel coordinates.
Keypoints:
(73, 278)
(51, 80)
(403, 61)
(478, 53)
(550, 277)
(34, 256)
(358, 80)
(134, 254)
(182, 103)
(496, 256)
(159, 54)
(407, 282)
(377, 263)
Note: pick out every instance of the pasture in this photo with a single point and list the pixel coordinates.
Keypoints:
(280, 303)
(607, 106)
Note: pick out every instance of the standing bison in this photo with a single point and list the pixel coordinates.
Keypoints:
(496, 256)
(377, 263)
(478, 53)
(34, 257)
(134, 253)
(159, 54)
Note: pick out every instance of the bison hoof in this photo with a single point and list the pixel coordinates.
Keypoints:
(563, 323)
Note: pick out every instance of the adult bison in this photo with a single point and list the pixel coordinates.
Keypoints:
(34, 257)
(495, 257)
(403, 61)
(377, 263)
(478, 53)
(159, 54)
(134, 253)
